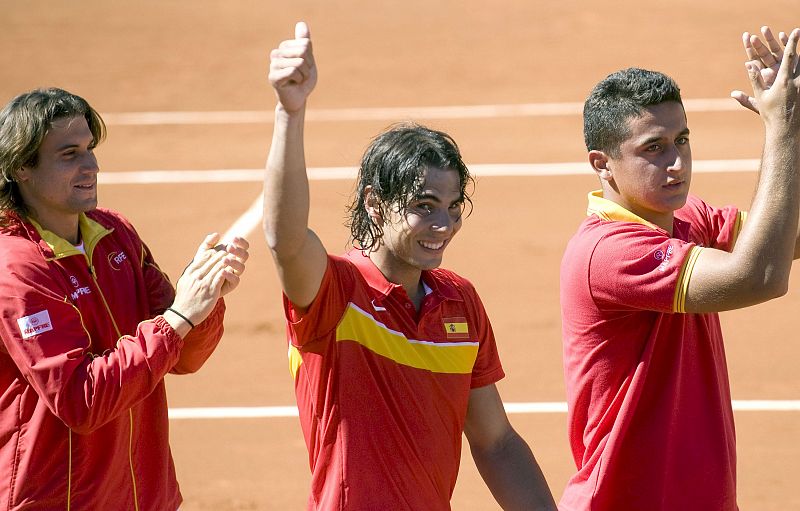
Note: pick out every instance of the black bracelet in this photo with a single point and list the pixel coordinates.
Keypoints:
(181, 316)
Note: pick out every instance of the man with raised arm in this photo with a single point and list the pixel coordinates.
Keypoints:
(392, 357)
(89, 324)
(650, 418)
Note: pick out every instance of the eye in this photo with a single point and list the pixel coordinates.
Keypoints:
(423, 208)
(653, 148)
(682, 140)
(69, 154)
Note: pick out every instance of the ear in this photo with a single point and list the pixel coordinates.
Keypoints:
(22, 175)
(372, 204)
(600, 164)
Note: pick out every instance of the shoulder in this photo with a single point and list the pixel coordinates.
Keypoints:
(19, 251)
(604, 236)
(695, 208)
(23, 265)
(452, 284)
(451, 278)
(110, 219)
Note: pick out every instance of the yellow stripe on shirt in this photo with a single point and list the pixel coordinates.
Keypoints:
(442, 357)
(682, 286)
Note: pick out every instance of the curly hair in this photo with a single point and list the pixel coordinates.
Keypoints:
(394, 165)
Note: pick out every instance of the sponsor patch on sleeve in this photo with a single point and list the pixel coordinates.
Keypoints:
(35, 324)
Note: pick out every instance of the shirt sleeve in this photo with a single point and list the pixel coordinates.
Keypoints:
(640, 268)
(325, 312)
(44, 334)
(712, 227)
(487, 368)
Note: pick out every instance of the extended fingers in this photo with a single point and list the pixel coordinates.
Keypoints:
(789, 66)
(208, 262)
(762, 52)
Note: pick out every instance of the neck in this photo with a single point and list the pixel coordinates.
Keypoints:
(67, 228)
(400, 273)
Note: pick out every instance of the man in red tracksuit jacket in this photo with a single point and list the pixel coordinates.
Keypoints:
(89, 323)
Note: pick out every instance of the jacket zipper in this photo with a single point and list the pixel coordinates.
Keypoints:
(130, 410)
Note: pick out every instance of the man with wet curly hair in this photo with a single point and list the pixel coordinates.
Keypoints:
(392, 357)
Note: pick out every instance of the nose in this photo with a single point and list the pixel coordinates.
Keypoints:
(444, 221)
(89, 163)
(677, 160)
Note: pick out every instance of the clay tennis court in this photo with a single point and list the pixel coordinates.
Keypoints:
(182, 85)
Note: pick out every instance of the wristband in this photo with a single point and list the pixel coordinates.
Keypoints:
(181, 316)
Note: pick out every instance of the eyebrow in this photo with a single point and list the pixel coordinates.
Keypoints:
(650, 140)
(427, 196)
(66, 146)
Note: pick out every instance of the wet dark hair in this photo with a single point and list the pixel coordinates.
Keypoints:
(24, 122)
(394, 165)
(616, 99)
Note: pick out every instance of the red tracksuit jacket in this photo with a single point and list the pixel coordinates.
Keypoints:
(83, 409)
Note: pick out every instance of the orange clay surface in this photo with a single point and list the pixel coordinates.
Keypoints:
(201, 56)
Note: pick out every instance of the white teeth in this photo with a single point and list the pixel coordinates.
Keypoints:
(432, 246)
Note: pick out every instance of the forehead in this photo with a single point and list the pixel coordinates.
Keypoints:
(666, 119)
(66, 131)
(440, 182)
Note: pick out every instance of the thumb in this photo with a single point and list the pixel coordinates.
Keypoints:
(301, 30)
(210, 241)
(746, 101)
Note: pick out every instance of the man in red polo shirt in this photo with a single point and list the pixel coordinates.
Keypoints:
(650, 419)
(392, 357)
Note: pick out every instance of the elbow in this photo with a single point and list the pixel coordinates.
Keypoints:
(770, 285)
(186, 367)
(778, 289)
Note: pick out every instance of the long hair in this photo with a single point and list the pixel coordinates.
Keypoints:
(24, 122)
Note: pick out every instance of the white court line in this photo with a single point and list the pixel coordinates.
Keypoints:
(259, 412)
(388, 114)
(248, 222)
(332, 173)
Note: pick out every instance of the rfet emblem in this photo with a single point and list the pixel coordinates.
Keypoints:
(115, 260)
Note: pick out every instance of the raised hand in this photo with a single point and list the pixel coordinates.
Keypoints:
(234, 263)
(200, 285)
(777, 93)
(766, 57)
(292, 71)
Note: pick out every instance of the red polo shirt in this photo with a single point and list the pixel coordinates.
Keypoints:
(383, 390)
(650, 418)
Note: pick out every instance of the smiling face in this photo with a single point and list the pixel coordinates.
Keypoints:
(415, 239)
(63, 183)
(651, 174)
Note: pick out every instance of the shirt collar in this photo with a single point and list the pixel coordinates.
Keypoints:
(90, 230)
(611, 211)
(430, 279)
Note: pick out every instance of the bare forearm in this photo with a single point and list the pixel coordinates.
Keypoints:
(286, 196)
(513, 476)
(767, 243)
(758, 268)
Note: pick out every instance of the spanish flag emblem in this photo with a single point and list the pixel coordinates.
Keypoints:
(456, 328)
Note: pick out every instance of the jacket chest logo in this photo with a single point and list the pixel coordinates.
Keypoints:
(116, 259)
(79, 290)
